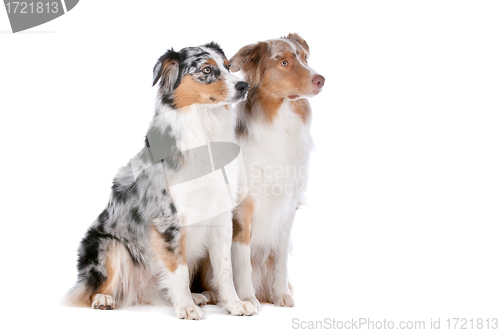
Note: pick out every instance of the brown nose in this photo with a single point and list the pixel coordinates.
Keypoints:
(318, 81)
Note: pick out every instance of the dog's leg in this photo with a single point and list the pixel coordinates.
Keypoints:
(220, 257)
(99, 278)
(240, 252)
(102, 299)
(168, 245)
(281, 291)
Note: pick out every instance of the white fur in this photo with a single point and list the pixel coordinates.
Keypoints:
(276, 159)
(204, 206)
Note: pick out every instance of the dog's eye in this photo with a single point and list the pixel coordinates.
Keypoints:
(284, 63)
(207, 70)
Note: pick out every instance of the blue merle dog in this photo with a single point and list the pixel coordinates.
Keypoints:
(170, 206)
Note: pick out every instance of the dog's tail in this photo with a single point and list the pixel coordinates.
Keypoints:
(92, 272)
(79, 295)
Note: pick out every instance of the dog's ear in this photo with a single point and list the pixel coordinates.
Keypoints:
(166, 70)
(295, 37)
(249, 60)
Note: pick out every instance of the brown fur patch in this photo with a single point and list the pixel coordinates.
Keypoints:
(249, 59)
(211, 62)
(169, 72)
(166, 66)
(226, 62)
(242, 221)
(302, 108)
(287, 80)
(269, 103)
(159, 247)
(241, 129)
(190, 92)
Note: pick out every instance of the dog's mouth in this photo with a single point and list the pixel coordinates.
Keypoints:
(241, 98)
(295, 96)
(236, 99)
(317, 92)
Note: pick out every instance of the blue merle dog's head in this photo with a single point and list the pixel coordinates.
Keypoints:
(197, 75)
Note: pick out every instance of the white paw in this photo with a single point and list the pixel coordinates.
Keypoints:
(254, 302)
(103, 302)
(240, 308)
(211, 296)
(200, 299)
(284, 300)
(190, 312)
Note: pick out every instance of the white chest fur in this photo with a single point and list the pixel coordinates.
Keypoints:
(200, 200)
(276, 159)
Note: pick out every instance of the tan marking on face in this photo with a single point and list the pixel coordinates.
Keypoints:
(211, 62)
(302, 108)
(242, 221)
(169, 259)
(191, 92)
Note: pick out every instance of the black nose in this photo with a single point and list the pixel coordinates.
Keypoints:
(241, 87)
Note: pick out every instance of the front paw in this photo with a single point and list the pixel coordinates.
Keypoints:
(240, 308)
(254, 302)
(284, 300)
(190, 312)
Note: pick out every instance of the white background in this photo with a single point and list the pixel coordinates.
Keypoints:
(404, 196)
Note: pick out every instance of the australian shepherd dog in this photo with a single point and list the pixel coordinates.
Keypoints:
(273, 131)
(171, 205)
